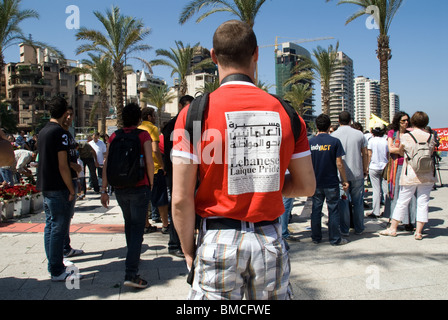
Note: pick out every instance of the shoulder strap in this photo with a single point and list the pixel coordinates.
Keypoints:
(409, 133)
(119, 132)
(296, 124)
(196, 113)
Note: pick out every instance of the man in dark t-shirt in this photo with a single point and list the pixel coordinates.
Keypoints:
(326, 153)
(54, 179)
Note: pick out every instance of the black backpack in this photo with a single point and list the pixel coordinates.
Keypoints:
(198, 106)
(125, 165)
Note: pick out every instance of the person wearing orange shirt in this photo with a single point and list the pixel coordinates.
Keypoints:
(247, 144)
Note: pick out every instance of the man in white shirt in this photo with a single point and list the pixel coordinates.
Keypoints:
(100, 149)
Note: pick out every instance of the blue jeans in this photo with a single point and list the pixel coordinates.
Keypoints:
(134, 203)
(355, 194)
(284, 218)
(67, 246)
(57, 223)
(332, 197)
(6, 175)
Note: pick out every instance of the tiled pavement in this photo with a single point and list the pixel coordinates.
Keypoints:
(369, 267)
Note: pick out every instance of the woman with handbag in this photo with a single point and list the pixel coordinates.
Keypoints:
(414, 179)
(400, 126)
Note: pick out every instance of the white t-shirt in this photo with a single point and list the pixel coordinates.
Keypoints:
(380, 151)
(100, 149)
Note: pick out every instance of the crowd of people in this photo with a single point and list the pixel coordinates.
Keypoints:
(345, 159)
(225, 200)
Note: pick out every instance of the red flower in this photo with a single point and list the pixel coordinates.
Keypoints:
(8, 193)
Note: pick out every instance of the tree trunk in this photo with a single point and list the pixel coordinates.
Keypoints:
(103, 111)
(325, 100)
(2, 64)
(118, 75)
(384, 55)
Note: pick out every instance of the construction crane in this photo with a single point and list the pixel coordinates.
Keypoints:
(294, 41)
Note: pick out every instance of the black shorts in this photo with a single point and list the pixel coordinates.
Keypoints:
(159, 193)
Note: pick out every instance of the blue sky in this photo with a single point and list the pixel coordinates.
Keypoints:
(418, 70)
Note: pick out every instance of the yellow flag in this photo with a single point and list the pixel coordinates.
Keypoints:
(375, 120)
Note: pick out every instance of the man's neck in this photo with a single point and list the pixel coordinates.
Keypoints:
(224, 72)
(58, 121)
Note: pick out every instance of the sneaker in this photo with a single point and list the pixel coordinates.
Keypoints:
(166, 230)
(135, 282)
(67, 263)
(372, 216)
(341, 243)
(150, 229)
(81, 197)
(73, 253)
(64, 276)
(293, 238)
(177, 252)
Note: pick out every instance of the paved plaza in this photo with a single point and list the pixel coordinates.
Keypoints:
(369, 267)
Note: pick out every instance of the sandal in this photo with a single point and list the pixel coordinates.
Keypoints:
(388, 233)
(418, 236)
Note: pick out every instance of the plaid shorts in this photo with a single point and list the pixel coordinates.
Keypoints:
(231, 264)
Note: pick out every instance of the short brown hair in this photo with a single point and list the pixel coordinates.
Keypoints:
(420, 120)
(147, 111)
(234, 43)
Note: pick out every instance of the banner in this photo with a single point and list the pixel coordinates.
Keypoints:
(443, 139)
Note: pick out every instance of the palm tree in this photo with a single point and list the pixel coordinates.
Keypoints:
(245, 10)
(158, 96)
(10, 32)
(324, 67)
(180, 62)
(209, 87)
(299, 93)
(384, 13)
(124, 35)
(102, 73)
(7, 119)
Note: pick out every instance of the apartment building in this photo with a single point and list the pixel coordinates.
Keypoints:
(342, 88)
(30, 83)
(394, 105)
(367, 100)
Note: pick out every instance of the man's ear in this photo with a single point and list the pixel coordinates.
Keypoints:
(256, 54)
(214, 57)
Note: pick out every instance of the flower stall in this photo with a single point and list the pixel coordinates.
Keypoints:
(20, 200)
